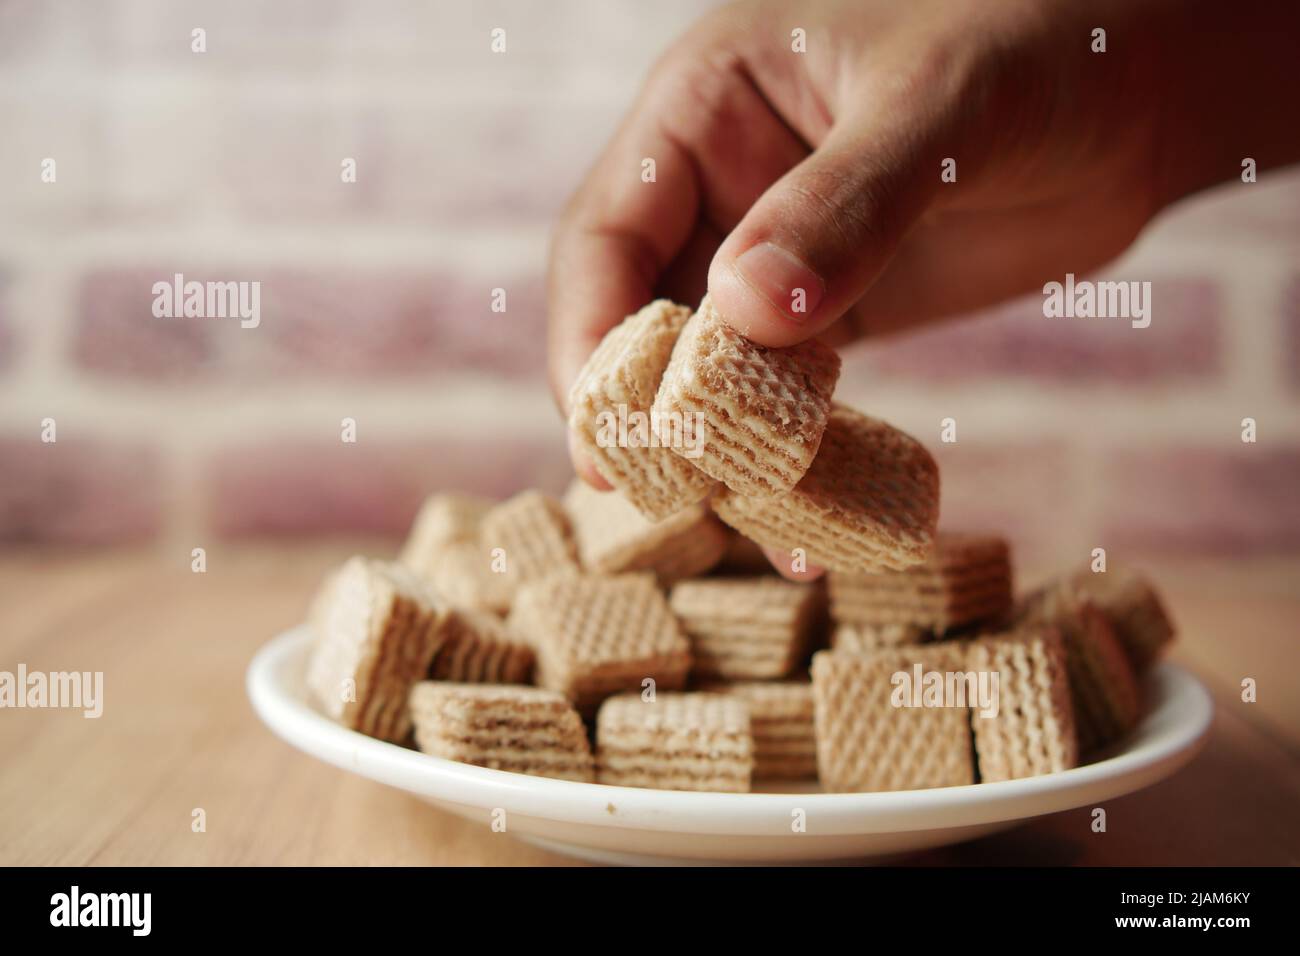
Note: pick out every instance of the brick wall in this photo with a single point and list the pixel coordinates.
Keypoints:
(376, 294)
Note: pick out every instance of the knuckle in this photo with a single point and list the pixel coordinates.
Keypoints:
(854, 204)
(701, 78)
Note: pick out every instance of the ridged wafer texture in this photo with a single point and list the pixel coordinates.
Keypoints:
(781, 723)
(618, 384)
(1033, 732)
(869, 502)
(503, 727)
(1133, 606)
(597, 636)
(966, 580)
(613, 536)
(687, 741)
(443, 519)
(1103, 683)
(764, 410)
(746, 628)
(531, 533)
(867, 743)
(857, 638)
(477, 648)
(376, 629)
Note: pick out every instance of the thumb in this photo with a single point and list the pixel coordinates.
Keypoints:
(818, 237)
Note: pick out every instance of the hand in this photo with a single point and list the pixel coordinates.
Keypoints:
(778, 171)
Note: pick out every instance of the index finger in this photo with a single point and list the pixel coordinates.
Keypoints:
(700, 146)
(613, 243)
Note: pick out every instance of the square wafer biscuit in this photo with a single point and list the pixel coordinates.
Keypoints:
(865, 742)
(1134, 609)
(476, 648)
(967, 579)
(1033, 732)
(461, 573)
(675, 742)
(763, 410)
(858, 638)
(597, 636)
(618, 385)
(614, 537)
(869, 502)
(376, 627)
(746, 628)
(529, 537)
(443, 519)
(781, 722)
(1103, 684)
(520, 729)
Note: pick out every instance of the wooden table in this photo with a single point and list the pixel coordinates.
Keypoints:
(177, 732)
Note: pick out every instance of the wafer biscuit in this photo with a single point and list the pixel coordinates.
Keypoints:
(618, 385)
(597, 636)
(526, 538)
(967, 579)
(865, 742)
(376, 629)
(858, 638)
(1134, 609)
(520, 729)
(869, 502)
(477, 648)
(461, 573)
(1103, 684)
(745, 628)
(781, 722)
(675, 742)
(763, 409)
(614, 537)
(443, 519)
(1033, 732)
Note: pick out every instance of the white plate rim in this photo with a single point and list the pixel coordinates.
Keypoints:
(1168, 737)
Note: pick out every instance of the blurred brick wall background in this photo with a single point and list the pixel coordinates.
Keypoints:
(376, 295)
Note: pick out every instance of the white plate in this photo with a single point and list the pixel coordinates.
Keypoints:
(632, 825)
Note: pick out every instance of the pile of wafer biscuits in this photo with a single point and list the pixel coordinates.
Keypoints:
(630, 638)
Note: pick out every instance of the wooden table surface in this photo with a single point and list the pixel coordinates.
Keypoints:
(178, 733)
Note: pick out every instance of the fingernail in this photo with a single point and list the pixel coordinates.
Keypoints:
(782, 279)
